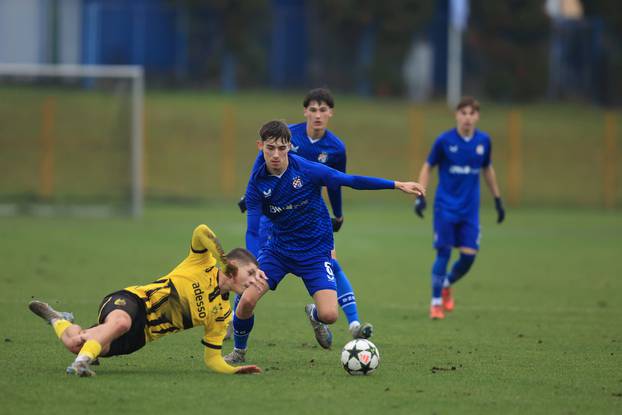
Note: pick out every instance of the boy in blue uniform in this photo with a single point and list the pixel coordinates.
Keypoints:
(313, 141)
(287, 189)
(461, 154)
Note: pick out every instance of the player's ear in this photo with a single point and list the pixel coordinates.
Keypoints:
(260, 144)
(231, 269)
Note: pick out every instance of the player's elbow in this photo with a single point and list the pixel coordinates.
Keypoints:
(202, 229)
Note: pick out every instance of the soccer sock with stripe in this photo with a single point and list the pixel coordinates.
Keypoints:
(439, 271)
(89, 351)
(60, 326)
(241, 330)
(461, 267)
(345, 294)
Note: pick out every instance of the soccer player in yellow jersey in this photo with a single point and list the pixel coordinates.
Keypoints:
(195, 293)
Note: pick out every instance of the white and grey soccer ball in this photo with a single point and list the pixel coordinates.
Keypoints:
(360, 357)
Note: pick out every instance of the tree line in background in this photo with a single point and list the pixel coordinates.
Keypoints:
(361, 45)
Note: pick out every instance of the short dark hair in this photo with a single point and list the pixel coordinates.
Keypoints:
(468, 102)
(275, 130)
(241, 255)
(319, 95)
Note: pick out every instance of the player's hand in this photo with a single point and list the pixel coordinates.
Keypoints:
(420, 206)
(337, 222)
(412, 188)
(248, 370)
(242, 204)
(500, 209)
(259, 281)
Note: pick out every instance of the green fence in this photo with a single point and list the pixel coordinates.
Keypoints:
(200, 146)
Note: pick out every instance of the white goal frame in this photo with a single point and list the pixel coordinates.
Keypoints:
(136, 76)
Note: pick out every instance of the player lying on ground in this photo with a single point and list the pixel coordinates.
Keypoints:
(195, 293)
(313, 141)
(288, 190)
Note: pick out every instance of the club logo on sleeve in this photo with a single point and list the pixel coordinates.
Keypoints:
(295, 148)
(322, 157)
(297, 182)
(267, 193)
(479, 149)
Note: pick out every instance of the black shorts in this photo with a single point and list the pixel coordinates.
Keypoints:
(134, 339)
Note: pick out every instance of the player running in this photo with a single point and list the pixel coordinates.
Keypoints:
(313, 141)
(461, 154)
(287, 189)
(195, 293)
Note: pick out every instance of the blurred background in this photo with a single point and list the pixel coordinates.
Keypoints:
(194, 81)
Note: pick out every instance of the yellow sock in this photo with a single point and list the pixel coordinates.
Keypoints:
(91, 349)
(60, 326)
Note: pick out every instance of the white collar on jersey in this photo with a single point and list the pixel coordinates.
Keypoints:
(314, 140)
(467, 139)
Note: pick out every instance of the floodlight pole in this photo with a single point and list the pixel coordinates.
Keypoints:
(458, 15)
(454, 66)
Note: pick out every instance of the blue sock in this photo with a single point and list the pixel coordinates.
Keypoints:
(439, 270)
(241, 330)
(345, 293)
(461, 267)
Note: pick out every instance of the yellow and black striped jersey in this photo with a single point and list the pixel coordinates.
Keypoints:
(188, 296)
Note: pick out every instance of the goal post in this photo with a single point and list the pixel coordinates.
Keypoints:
(51, 84)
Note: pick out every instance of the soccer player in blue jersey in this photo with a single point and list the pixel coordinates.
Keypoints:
(287, 189)
(461, 154)
(314, 141)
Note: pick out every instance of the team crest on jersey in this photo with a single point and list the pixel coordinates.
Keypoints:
(119, 302)
(453, 149)
(297, 182)
(322, 157)
(479, 149)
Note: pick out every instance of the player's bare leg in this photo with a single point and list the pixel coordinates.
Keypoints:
(67, 332)
(97, 340)
(324, 312)
(244, 318)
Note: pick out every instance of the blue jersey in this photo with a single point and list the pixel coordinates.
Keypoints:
(301, 226)
(329, 150)
(459, 164)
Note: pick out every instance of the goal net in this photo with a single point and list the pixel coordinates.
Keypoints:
(71, 139)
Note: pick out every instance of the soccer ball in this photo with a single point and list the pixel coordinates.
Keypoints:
(360, 357)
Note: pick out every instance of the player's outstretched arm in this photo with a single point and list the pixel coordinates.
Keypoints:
(203, 238)
(412, 188)
(332, 178)
(214, 361)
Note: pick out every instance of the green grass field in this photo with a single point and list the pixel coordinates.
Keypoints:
(536, 329)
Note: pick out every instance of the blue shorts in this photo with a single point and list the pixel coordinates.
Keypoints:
(316, 272)
(451, 231)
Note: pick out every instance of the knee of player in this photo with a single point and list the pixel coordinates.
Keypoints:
(328, 316)
(121, 324)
